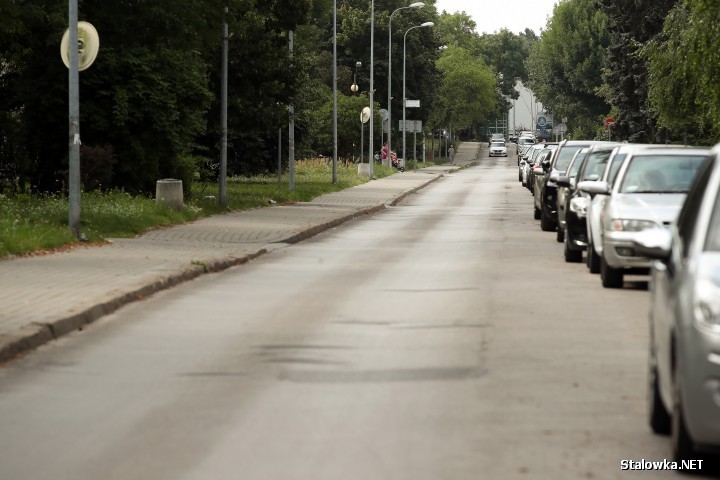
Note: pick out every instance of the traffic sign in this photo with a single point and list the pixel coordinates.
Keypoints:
(541, 121)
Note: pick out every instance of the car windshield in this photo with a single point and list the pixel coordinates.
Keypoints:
(566, 155)
(595, 165)
(660, 173)
(526, 141)
(498, 145)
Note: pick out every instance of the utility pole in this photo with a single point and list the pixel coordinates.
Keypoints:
(222, 194)
(74, 120)
(291, 134)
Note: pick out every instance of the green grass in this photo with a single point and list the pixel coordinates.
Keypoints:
(31, 223)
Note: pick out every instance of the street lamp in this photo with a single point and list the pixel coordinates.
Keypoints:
(389, 109)
(404, 99)
(372, 83)
(354, 87)
(335, 97)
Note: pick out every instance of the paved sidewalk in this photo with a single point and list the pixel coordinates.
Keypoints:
(44, 297)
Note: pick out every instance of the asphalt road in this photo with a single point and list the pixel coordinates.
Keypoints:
(441, 339)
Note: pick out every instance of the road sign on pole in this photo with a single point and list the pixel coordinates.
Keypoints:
(413, 126)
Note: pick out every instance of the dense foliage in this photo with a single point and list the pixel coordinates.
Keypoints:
(150, 107)
(565, 65)
(651, 65)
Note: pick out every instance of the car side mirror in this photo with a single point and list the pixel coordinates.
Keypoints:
(546, 164)
(561, 180)
(654, 243)
(538, 171)
(587, 186)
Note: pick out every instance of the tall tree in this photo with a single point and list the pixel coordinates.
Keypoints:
(564, 66)
(684, 68)
(631, 25)
(466, 97)
(507, 52)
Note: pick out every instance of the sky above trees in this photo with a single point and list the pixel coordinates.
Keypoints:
(515, 15)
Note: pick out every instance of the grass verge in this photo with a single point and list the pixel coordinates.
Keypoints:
(39, 223)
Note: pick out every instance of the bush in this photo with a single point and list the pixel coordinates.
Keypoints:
(185, 169)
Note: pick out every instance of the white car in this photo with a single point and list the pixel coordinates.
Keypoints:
(648, 193)
(597, 204)
(498, 149)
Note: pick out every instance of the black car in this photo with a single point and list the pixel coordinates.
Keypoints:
(560, 162)
(576, 202)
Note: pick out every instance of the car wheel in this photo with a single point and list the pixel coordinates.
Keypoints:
(536, 214)
(593, 259)
(682, 444)
(611, 277)
(560, 237)
(546, 223)
(520, 177)
(660, 420)
(571, 256)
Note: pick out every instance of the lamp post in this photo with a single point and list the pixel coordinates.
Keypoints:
(335, 98)
(222, 190)
(354, 87)
(372, 83)
(404, 99)
(389, 108)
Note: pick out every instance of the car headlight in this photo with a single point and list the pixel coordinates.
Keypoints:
(707, 304)
(579, 205)
(620, 225)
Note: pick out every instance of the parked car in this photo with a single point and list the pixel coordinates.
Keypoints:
(597, 203)
(548, 189)
(496, 137)
(565, 185)
(498, 149)
(545, 157)
(575, 205)
(526, 162)
(684, 367)
(524, 143)
(648, 192)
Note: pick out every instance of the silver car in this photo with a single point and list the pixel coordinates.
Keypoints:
(684, 373)
(648, 192)
(597, 204)
(524, 143)
(526, 163)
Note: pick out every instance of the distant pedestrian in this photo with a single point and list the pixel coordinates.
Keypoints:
(451, 153)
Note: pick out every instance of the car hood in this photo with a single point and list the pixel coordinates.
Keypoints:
(659, 207)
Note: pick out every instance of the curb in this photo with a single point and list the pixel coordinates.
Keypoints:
(30, 337)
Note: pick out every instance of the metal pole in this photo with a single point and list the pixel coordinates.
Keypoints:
(372, 83)
(279, 170)
(404, 125)
(414, 150)
(222, 197)
(389, 109)
(362, 142)
(389, 136)
(291, 134)
(74, 120)
(335, 97)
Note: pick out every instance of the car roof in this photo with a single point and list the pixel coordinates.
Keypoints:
(671, 151)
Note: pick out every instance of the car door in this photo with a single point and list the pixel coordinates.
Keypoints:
(667, 279)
